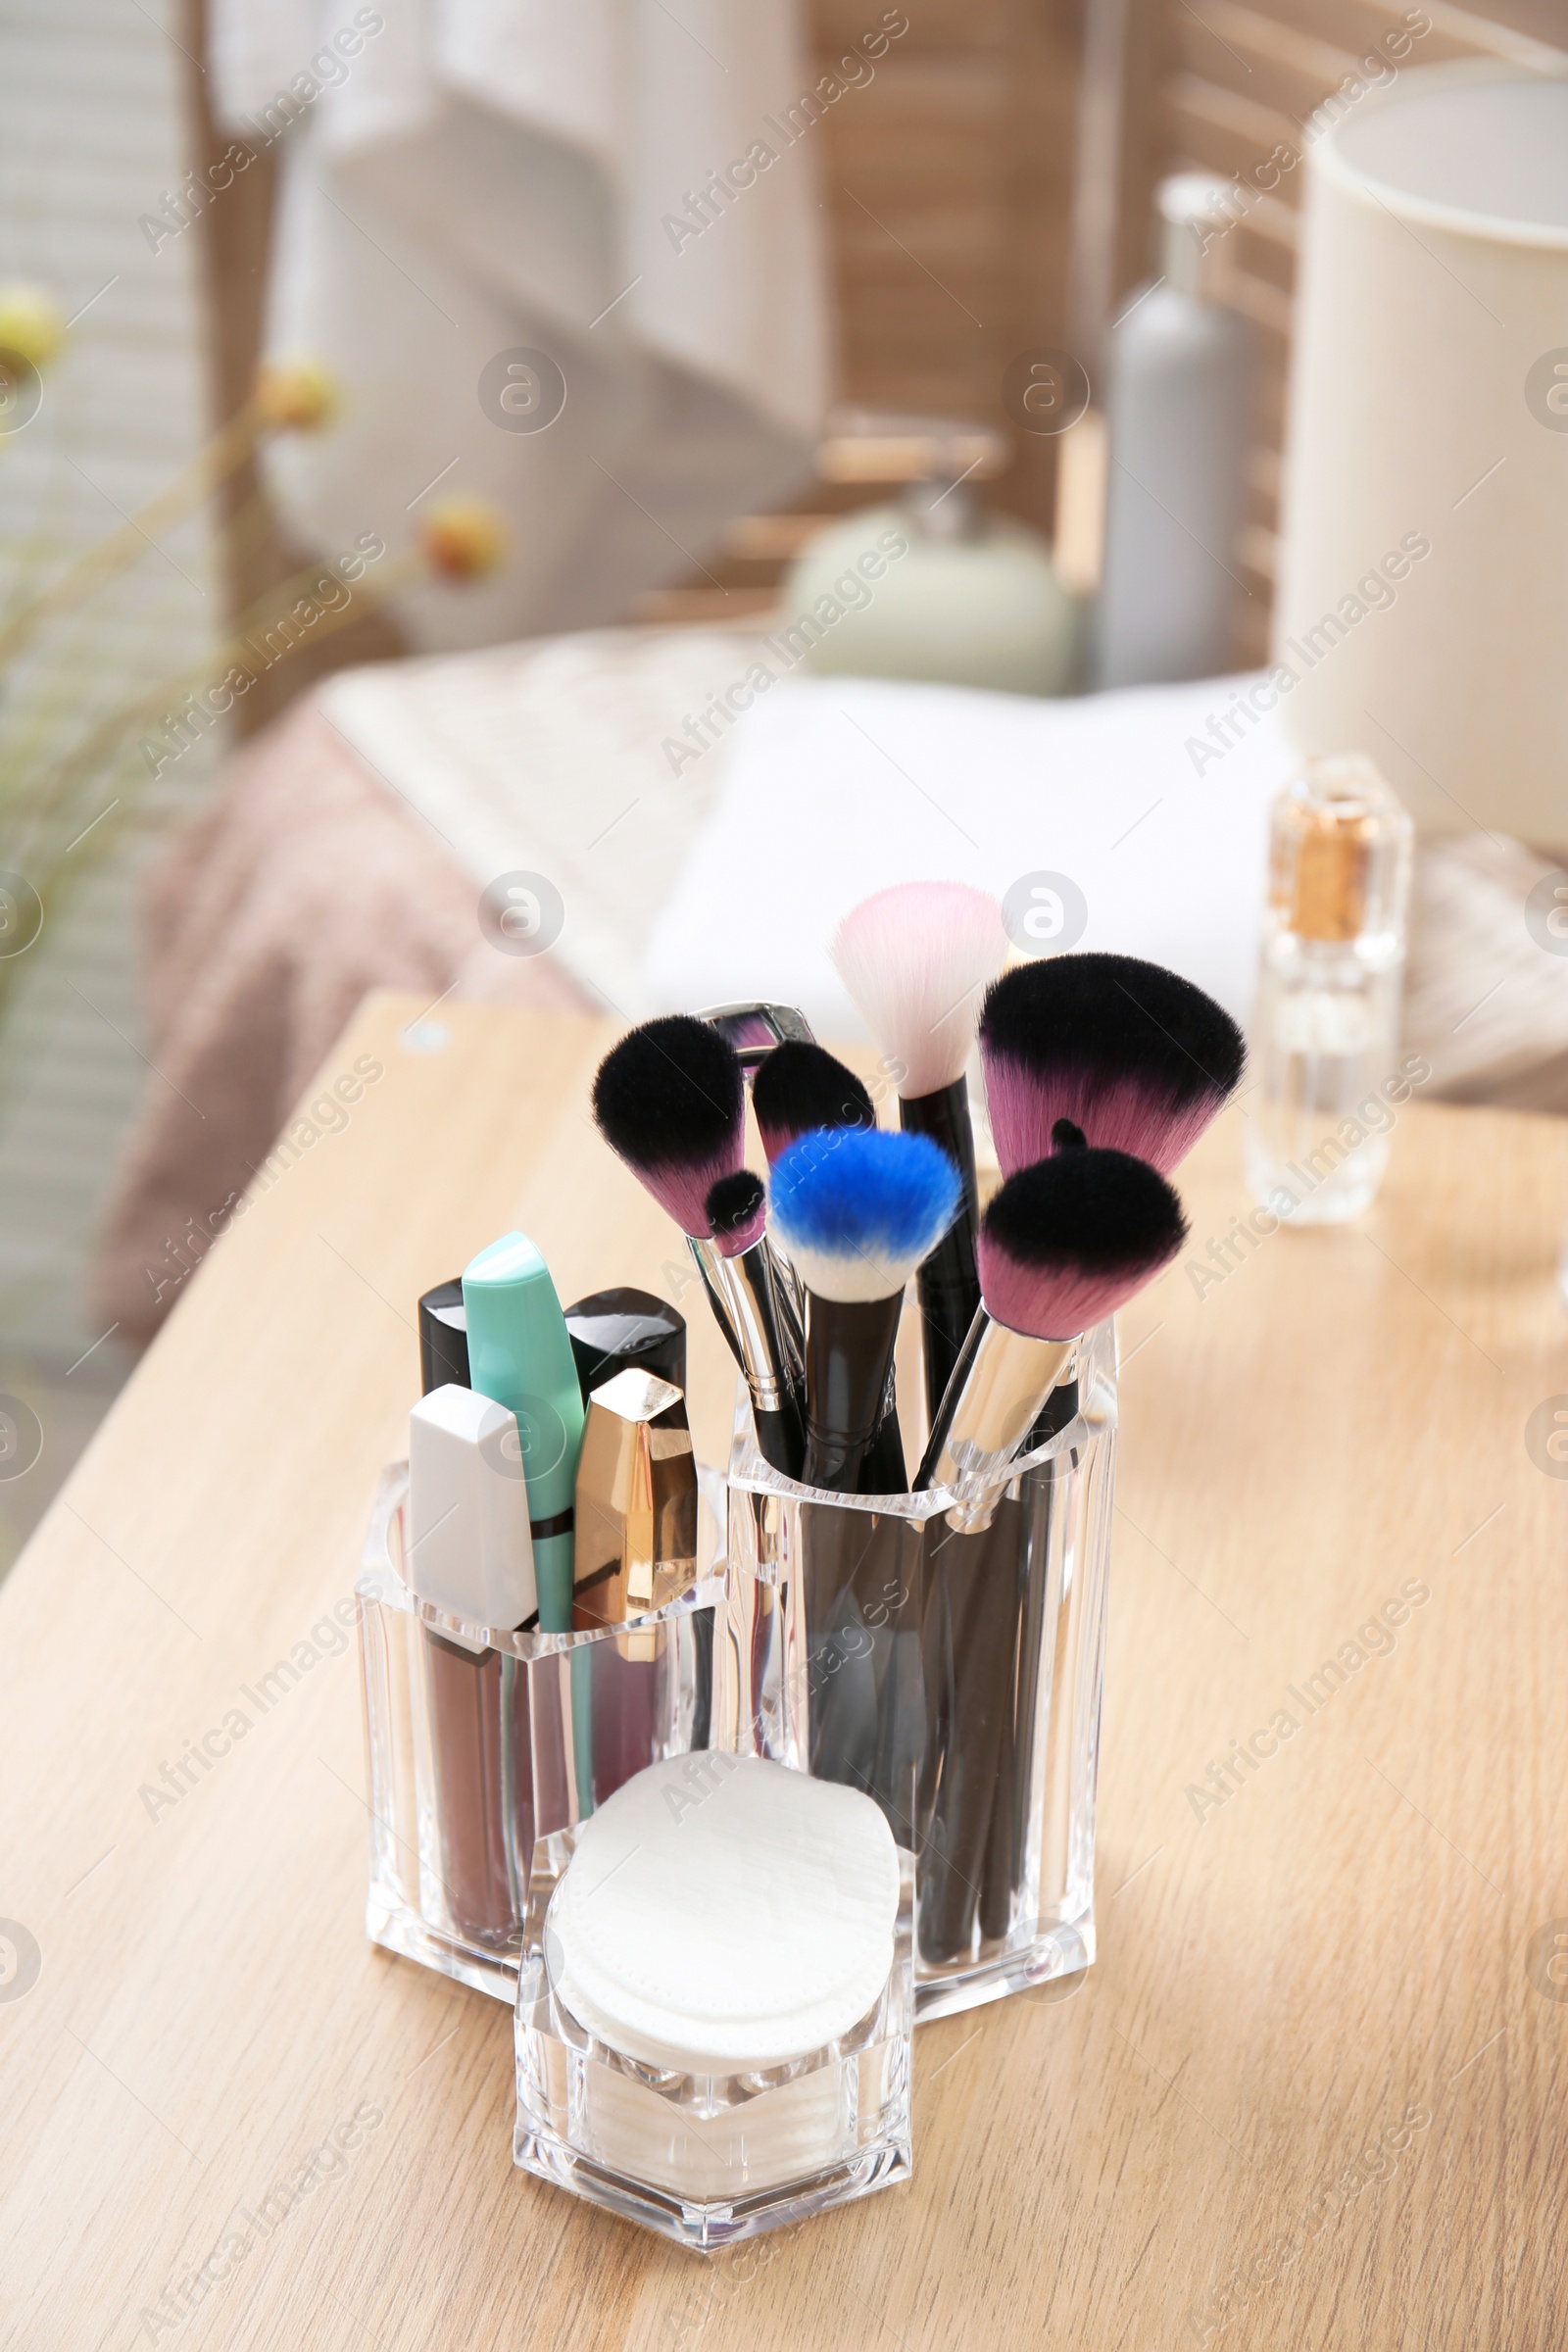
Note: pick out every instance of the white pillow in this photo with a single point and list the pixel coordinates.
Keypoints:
(836, 787)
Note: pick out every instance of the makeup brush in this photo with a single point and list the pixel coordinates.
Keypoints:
(1132, 1053)
(857, 1210)
(1064, 1242)
(916, 960)
(755, 1029)
(670, 1102)
(800, 1087)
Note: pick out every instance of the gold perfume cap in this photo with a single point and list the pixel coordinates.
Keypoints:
(1335, 830)
(636, 1503)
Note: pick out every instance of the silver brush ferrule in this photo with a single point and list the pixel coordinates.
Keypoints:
(998, 1384)
(742, 1293)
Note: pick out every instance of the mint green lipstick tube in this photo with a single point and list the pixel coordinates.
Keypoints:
(521, 1354)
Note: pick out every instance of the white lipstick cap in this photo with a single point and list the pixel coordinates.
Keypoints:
(470, 1550)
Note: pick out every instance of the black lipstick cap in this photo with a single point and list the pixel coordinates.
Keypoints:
(626, 1331)
(443, 1338)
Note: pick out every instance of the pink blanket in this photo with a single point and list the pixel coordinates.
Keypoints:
(266, 918)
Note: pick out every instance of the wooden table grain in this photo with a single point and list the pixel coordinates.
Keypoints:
(1310, 2094)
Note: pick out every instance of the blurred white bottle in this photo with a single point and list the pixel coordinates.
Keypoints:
(1179, 403)
(1326, 1025)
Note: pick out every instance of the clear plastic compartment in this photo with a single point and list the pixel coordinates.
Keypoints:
(479, 1743)
(955, 1678)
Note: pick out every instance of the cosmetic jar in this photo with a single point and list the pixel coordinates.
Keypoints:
(481, 1741)
(951, 1672)
(714, 2004)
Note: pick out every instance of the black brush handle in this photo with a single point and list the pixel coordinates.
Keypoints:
(884, 1471)
(972, 1681)
(779, 1440)
(949, 1279)
(848, 1353)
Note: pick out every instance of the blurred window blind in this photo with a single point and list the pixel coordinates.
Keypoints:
(93, 136)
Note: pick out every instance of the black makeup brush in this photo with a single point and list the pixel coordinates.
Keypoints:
(669, 1100)
(1132, 1053)
(753, 1029)
(1063, 1246)
(857, 1210)
(915, 959)
(802, 1087)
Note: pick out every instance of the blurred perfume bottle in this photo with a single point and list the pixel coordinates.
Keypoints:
(934, 585)
(1326, 1026)
(1180, 391)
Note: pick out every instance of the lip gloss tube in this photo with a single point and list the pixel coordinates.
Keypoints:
(520, 1354)
(470, 1553)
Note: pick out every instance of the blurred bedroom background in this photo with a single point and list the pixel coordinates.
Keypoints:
(365, 339)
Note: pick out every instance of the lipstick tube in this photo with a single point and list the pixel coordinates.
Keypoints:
(636, 1503)
(636, 1549)
(625, 1330)
(443, 1338)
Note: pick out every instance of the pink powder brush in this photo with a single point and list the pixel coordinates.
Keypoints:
(916, 959)
(1064, 1242)
(669, 1101)
(1136, 1057)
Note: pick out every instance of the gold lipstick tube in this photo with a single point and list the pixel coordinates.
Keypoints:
(636, 1503)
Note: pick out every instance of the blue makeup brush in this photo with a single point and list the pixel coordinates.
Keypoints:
(856, 1210)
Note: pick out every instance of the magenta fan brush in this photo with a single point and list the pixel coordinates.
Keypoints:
(801, 1088)
(669, 1101)
(916, 959)
(1063, 1244)
(1132, 1053)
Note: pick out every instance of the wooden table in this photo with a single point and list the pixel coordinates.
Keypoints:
(1312, 2094)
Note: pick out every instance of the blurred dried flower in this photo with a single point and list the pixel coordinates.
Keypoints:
(463, 538)
(295, 396)
(31, 324)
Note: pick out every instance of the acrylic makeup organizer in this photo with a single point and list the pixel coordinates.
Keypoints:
(481, 1742)
(956, 1678)
(708, 2159)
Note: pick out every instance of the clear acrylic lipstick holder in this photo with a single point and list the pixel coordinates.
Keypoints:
(955, 1678)
(708, 2159)
(481, 1742)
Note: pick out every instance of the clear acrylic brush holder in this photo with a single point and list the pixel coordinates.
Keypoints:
(955, 1678)
(708, 2159)
(481, 1742)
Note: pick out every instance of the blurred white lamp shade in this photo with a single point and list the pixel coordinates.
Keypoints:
(1423, 596)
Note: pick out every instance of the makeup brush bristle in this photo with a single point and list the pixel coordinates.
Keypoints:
(737, 1211)
(857, 1210)
(670, 1102)
(1132, 1053)
(800, 1087)
(915, 959)
(1070, 1239)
